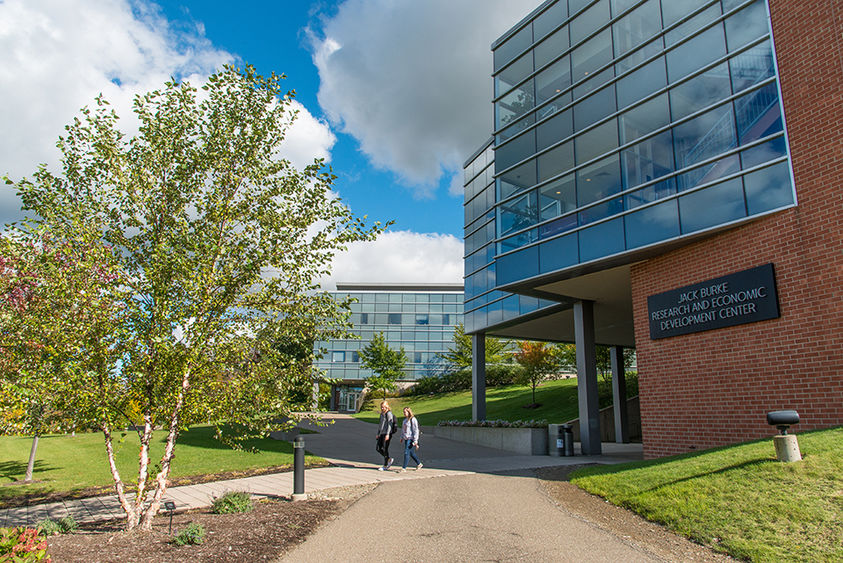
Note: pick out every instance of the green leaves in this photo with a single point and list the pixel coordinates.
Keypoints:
(385, 363)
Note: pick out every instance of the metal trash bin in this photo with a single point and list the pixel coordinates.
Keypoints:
(566, 440)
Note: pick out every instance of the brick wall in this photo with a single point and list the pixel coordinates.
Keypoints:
(715, 387)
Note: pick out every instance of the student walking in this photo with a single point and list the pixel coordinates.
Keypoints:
(410, 436)
(386, 428)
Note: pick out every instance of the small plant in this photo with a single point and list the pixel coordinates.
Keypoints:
(231, 502)
(22, 544)
(193, 534)
(50, 527)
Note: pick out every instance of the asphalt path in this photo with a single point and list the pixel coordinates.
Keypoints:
(479, 517)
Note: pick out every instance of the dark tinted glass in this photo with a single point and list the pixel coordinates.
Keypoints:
(746, 25)
(601, 240)
(549, 19)
(554, 129)
(764, 152)
(653, 224)
(705, 136)
(516, 127)
(597, 141)
(518, 265)
(556, 161)
(752, 66)
(708, 173)
(558, 197)
(769, 188)
(758, 114)
(589, 21)
(648, 160)
(696, 53)
(659, 190)
(712, 206)
(592, 55)
(553, 80)
(598, 180)
(513, 46)
(515, 104)
(692, 25)
(644, 119)
(642, 82)
(513, 74)
(701, 91)
(551, 47)
(559, 253)
(633, 29)
(517, 179)
(516, 150)
(595, 107)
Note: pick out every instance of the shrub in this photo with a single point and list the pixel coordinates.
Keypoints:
(604, 388)
(495, 423)
(50, 527)
(496, 374)
(21, 544)
(231, 502)
(193, 534)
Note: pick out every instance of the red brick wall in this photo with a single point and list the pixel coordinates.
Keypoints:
(715, 387)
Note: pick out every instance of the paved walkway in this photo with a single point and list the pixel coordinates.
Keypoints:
(349, 445)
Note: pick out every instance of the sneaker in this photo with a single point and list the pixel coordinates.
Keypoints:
(388, 464)
(403, 470)
(381, 468)
(419, 466)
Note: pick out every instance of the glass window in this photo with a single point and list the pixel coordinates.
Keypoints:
(556, 161)
(417, 357)
(422, 319)
(708, 173)
(513, 152)
(705, 136)
(558, 226)
(764, 152)
(758, 114)
(553, 80)
(519, 178)
(513, 46)
(602, 240)
(642, 82)
(692, 25)
(515, 104)
(639, 56)
(712, 206)
(650, 193)
(592, 55)
(648, 160)
(517, 214)
(769, 188)
(600, 211)
(696, 53)
(652, 224)
(675, 10)
(395, 318)
(558, 197)
(595, 107)
(517, 241)
(597, 141)
(555, 129)
(644, 119)
(514, 129)
(752, 66)
(551, 47)
(355, 357)
(598, 180)
(337, 356)
(589, 21)
(701, 91)
(559, 253)
(593, 82)
(549, 19)
(364, 318)
(746, 25)
(517, 265)
(634, 28)
(395, 298)
(619, 6)
(514, 73)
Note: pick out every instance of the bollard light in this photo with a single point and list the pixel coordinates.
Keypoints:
(171, 507)
(298, 469)
(787, 447)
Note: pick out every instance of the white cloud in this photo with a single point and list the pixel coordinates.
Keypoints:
(411, 80)
(57, 55)
(400, 257)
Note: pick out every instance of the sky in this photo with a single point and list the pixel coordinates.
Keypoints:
(395, 95)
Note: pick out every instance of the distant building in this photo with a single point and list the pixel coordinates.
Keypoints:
(667, 175)
(419, 317)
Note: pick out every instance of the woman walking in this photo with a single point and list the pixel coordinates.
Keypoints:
(410, 436)
(386, 427)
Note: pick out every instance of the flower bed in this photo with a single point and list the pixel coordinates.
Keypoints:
(529, 439)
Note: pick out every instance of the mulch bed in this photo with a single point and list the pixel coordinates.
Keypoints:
(264, 534)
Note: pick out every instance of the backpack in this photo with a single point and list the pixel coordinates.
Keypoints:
(393, 427)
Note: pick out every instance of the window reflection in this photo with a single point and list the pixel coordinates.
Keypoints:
(708, 46)
(768, 189)
(712, 206)
(705, 136)
(751, 66)
(758, 114)
(642, 23)
(598, 180)
(700, 91)
(748, 24)
(652, 224)
(557, 198)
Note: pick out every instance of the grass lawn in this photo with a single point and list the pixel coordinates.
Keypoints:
(740, 499)
(67, 463)
(558, 401)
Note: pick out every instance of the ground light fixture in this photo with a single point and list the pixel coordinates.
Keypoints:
(787, 447)
(171, 507)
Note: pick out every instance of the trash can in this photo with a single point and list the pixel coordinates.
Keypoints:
(566, 440)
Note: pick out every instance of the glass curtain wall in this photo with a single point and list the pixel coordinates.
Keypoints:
(621, 124)
(422, 322)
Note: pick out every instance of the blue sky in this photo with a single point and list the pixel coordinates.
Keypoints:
(395, 95)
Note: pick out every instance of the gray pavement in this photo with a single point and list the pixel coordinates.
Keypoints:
(350, 445)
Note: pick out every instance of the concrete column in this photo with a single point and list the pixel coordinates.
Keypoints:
(619, 395)
(589, 408)
(478, 376)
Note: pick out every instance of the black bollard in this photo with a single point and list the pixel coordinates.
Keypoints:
(298, 469)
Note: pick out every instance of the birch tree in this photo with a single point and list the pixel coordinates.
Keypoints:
(217, 243)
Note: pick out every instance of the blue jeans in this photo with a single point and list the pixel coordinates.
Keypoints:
(409, 451)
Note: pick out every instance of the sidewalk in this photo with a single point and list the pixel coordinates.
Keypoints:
(349, 445)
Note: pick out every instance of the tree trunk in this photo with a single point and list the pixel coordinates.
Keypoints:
(132, 519)
(31, 465)
(143, 465)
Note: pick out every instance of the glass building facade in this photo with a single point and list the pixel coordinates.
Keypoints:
(420, 318)
(620, 127)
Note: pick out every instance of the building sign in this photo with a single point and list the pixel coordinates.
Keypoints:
(739, 298)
